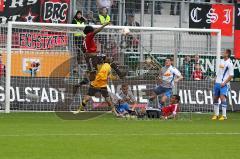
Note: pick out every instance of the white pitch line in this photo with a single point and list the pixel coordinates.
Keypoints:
(130, 134)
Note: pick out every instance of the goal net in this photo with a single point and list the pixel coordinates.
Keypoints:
(44, 63)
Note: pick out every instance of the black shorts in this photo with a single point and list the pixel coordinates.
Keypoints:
(92, 91)
(92, 62)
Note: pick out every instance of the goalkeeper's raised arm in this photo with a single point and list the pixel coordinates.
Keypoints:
(101, 28)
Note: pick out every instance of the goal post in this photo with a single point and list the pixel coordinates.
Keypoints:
(8, 67)
(40, 61)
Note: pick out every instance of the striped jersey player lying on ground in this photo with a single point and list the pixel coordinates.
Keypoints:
(123, 107)
(171, 110)
(124, 101)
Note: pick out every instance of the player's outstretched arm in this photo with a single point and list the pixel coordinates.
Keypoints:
(101, 28)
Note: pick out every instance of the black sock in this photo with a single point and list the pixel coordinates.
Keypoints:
(84, 103)
(84, 81)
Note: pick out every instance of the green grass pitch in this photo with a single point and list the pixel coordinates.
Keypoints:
(45, 136)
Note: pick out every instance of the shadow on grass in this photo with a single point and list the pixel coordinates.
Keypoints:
(71, 90)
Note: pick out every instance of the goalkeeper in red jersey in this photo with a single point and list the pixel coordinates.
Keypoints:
(92, 56)
(171, 110)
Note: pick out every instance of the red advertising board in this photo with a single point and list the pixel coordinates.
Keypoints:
(40, 41)
(19, 10)
(1, 5)
(237, 44)
(225, 18)
(237, 32)
(211, 16)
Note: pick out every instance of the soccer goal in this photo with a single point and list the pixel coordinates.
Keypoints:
(44, 64)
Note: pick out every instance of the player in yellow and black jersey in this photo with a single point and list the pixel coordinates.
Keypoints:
(99, 86)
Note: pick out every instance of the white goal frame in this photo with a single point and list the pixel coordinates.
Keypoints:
(9, 45)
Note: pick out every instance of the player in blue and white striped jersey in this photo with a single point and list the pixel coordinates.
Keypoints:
(223, 77)
(168, 77)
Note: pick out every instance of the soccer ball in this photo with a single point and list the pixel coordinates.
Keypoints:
(125, 31)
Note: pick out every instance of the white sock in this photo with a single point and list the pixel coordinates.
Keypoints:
(224, 108)
(224, 111)
(216, 109)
